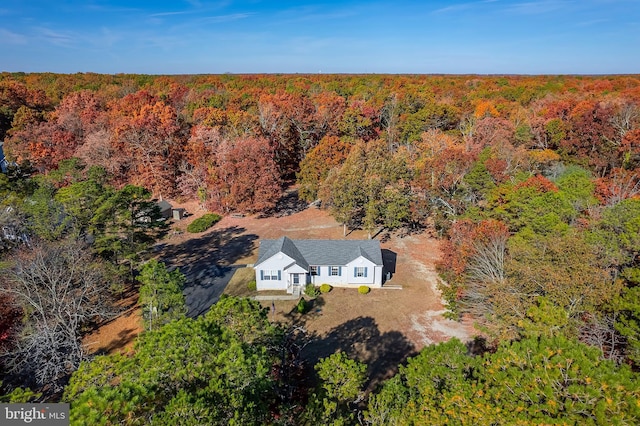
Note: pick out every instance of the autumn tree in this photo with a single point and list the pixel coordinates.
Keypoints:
(629, 150)
(473, 267)
(619, 185)
(492, 132)
(245, 177)
(46, 140)
(147, 131)
(371, 189)
(16, 96)
(230, 173)
(439, 167)
(589, 140)
(287, 121)
(314, 168)
(199, 162)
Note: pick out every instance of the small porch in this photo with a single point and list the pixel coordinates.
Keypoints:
(296, 279)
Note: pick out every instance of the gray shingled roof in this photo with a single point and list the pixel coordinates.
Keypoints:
(164, 205)
(321, 252)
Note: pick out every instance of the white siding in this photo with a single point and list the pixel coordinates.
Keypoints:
(324, 276)
(373, 272)
(347, 275)
(275, 263)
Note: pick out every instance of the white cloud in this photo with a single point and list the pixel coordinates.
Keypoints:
(537, 7)
(461, 6)
(9, 37)
(184, 12)
(58, 38)
(224, 18)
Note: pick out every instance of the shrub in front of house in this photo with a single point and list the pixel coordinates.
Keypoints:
(363, 289)
(325, 288)
(203, 223)
(251, 285)
(311, 290)
(302, 306)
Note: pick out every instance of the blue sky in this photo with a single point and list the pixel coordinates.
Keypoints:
(200, 36)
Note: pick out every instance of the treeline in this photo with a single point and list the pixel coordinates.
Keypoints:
(232, 141)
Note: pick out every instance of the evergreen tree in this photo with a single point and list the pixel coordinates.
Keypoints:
(161, 295)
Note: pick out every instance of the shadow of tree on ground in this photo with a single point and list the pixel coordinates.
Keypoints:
(287, 204)
(208, 263)
(361, 339)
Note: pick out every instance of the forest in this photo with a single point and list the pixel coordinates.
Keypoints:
(531, 182)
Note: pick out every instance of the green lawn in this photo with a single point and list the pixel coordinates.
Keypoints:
(238, 284)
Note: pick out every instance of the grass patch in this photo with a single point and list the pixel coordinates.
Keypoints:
(239, 284)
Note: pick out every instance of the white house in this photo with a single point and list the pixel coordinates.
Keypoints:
(286, 264)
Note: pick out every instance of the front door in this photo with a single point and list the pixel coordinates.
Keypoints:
(295, 280)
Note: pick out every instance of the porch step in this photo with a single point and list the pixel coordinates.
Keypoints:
(391, 287)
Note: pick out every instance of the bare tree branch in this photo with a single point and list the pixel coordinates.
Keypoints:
(61, 289)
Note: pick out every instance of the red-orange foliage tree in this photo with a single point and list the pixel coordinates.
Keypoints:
(245, 178)
(619, 185)
(329, 153)
(472, 258)
(590, 136)
(148, 138)
(199, 163)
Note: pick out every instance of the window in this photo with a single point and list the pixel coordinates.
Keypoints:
(335, 271)
(296, 278)
(270, 275)
(313, 270)
(361, 271)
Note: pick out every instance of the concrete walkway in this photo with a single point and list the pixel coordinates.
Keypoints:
(276, 297)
